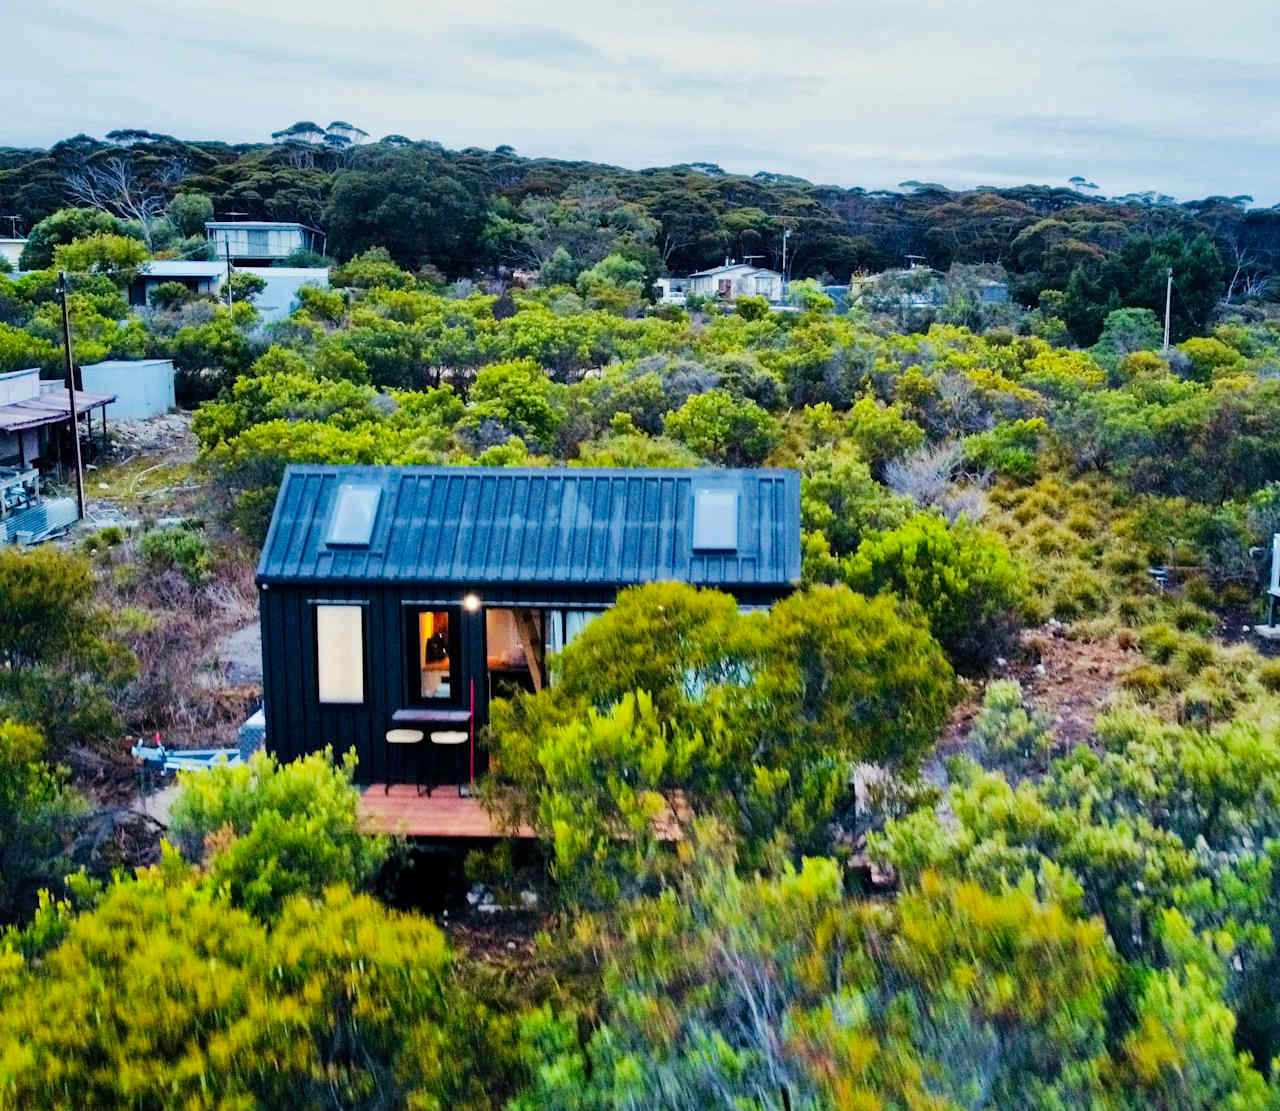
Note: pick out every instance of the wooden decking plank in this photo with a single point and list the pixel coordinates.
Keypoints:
(442, 814)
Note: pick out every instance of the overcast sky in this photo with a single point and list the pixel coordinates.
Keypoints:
(1132, 94)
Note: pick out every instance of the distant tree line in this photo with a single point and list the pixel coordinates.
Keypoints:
(463, 213)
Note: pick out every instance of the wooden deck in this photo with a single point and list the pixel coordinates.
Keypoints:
(404, 812)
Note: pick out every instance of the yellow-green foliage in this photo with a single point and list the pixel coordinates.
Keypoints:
(280, 830)
(166, 995)
(674, 707)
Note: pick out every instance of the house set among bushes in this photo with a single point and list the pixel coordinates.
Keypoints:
(396, 602)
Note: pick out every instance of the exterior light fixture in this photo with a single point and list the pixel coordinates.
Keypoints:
(471, 602)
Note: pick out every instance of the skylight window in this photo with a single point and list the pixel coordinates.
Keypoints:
(715, 520)
(354, 511)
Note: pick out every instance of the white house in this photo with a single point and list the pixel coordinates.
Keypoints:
(736, 279)
(261, 242)
(274, 303)
(199, 277)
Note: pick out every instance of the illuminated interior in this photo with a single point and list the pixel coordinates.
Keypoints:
(434, 647)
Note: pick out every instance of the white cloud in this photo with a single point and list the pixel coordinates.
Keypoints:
(1131, 93)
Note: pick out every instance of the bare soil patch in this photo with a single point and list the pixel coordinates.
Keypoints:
(1070, 680)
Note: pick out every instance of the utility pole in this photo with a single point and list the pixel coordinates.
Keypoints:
(785, 232)
(226, 249)
(1168, 301)
(71, 391)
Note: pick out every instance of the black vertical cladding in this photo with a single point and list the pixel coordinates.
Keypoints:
(544, 538)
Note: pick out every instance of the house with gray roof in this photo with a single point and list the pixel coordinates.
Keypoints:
(402, 600)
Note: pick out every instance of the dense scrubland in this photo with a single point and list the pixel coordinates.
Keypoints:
(839, 855)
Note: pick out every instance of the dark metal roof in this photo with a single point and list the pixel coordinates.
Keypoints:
(543, 525)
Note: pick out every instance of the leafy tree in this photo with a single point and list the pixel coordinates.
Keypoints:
(1125, 331)
(841, 503)
(1208, 357)
(189, 212)
(245, 287)
(39, 817)
(20, 349)
(514, 396)
(752, 308)
(212, 354)
(780, 993)
(615, 283)
(723, 428)
(1135, 277)
(373, 269)
(559, 269)
(961, 578)
(416, 208)
(672, 708)
(170, 296)
(63, 227)
(115, 255)
(881, 433)
(630, 449)
(1167, 836)
(62, 657)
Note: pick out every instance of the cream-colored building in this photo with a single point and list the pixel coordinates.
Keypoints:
(736, 279)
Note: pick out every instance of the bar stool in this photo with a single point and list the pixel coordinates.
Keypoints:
(401, 742)
(454, 739)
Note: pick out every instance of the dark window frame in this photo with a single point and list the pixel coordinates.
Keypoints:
(412, 647)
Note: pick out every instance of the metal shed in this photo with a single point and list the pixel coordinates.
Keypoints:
(395, 596)
(142, 387)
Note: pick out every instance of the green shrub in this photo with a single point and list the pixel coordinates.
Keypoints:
(1195, 656)
(1207, 701)
(1145, 681)
(1269, 675)
(108, 537)
(723, 428)
(273, 830)
(1006, 731)
(1159, 642)
(182, 548)
(1191, 618)
(1011, 449)
(961, 577)
(1082, 522)
(40, 817)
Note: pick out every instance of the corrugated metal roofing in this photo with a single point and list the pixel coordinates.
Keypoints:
(553, 525)
(50, 407)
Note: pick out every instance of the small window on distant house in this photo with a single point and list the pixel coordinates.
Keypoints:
(715, 520)
(354, 510)
(340, 654)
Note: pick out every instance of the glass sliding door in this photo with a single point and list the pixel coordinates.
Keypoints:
(515, 650)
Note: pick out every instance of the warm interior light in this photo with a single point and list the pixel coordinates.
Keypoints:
(471, 602)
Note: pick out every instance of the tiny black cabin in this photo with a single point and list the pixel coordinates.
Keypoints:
(410, 596)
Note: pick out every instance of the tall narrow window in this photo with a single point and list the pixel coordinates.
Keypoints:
(340, 654)
(433, 648)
